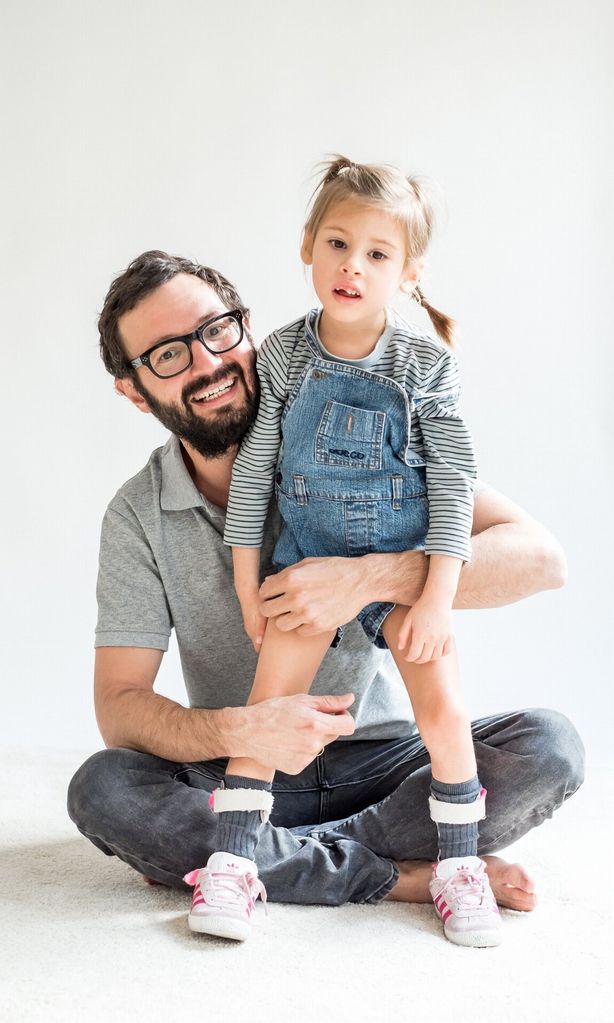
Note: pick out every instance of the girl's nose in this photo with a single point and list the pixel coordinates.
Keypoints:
(351, 264)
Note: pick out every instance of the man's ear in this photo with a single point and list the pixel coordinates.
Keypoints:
(125, 386)
(307, 249)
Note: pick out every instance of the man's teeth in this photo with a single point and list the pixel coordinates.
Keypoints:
(207, 395)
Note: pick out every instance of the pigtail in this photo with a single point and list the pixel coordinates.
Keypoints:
(444, 325)
(333, 168)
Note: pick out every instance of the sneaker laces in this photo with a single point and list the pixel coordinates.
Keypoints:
(465, 890)
(232, 890)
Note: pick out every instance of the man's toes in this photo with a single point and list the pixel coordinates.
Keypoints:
(502, 873)
(515, 898)
(514, 874)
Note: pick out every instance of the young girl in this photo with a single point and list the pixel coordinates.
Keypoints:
(360, 433)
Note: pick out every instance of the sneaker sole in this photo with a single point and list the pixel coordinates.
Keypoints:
(220, 926)
(474, 939)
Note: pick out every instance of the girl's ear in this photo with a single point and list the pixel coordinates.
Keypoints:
(307, 249)
(411, 276)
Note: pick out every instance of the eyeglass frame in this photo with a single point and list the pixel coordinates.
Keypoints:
(196, 335)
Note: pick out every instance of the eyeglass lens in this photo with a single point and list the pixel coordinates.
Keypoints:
(219, 336)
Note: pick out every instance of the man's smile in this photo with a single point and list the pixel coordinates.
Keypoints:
(216, 393)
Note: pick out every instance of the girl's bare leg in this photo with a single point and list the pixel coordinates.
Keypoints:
(435, 693)
(287, 665)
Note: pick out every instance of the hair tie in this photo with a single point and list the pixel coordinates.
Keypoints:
(342, 164)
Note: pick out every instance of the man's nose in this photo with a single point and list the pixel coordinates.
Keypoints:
(204, 361)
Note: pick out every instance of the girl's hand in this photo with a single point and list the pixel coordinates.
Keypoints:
(254, 621)
(426, 634)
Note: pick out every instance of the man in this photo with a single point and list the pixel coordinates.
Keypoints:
(350, 819)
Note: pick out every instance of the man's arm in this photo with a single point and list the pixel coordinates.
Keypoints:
(513, 556)
(285, 733)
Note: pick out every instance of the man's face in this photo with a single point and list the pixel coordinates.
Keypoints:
(214, 402)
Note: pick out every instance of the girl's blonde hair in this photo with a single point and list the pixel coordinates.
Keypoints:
(384, 186)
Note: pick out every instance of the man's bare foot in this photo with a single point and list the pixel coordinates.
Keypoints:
(511, 885)
(152, 881)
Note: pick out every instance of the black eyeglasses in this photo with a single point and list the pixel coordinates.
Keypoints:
(174, 356)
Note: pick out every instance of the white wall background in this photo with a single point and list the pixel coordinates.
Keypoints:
(194, 126)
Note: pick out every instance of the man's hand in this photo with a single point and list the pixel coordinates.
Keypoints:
(287, 732)
(316, 595)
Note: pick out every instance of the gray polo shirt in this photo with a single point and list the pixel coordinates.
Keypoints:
(164, 565)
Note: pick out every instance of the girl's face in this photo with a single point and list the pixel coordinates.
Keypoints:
(359, 261)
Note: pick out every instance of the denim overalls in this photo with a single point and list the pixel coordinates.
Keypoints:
(347, 482)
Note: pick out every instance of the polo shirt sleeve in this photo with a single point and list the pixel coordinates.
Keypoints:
(450, 461)
(132, 606)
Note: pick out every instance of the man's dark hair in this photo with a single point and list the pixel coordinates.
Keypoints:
(146, 273)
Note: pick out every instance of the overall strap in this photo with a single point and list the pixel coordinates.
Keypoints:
(311, 323)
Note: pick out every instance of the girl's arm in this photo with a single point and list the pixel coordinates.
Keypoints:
(450, 460)
(253, 471)
(252, 485)
(426, 633)
(246, 567)
(442, 579)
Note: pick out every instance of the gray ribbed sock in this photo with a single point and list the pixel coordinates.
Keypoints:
(238, 830)
(457, 839)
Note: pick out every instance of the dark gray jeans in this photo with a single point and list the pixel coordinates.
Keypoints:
(338, 828)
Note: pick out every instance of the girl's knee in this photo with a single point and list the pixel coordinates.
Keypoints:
(441, 726)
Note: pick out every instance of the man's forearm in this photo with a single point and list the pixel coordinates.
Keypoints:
(508, 562)
(135, 718)
(285, 733)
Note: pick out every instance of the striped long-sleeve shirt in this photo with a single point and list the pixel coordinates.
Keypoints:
(427, 370)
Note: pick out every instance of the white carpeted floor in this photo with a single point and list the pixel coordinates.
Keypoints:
(84, 938)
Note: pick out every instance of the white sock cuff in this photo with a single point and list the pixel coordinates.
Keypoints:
(458, 813)
(222, 800)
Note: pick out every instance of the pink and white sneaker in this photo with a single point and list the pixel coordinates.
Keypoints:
(225, 893)
(464, 900)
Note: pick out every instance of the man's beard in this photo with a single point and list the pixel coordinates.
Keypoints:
(212, 438)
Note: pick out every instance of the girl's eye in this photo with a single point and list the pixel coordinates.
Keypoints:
(337, 243)
(376, 254)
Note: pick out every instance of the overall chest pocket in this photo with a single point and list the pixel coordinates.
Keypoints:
(348, 436)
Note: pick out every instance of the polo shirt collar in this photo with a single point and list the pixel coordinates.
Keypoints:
(177, 490)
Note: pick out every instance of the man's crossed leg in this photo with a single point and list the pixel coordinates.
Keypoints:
(354, 826)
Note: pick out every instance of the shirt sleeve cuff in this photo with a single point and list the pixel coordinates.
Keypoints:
(149, 640)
